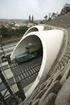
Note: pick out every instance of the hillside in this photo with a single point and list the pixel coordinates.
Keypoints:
(61, 21)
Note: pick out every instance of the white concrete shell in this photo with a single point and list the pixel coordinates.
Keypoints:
(35, 28)
(51, 41)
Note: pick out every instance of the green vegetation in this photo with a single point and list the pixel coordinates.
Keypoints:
(8, 32)
(65, 10)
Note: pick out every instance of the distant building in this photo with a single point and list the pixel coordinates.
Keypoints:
(29, 18)
(32, 19)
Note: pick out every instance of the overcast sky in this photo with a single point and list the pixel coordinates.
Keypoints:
(20, 9)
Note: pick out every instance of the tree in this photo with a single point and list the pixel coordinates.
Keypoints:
(65, 10)
(8, 32)
(22, 29)
(4, 31)
(54, 15)
(45, 17)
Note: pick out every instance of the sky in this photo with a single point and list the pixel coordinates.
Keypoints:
(20, 9)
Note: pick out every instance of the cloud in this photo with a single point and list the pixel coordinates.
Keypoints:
(22, 8)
